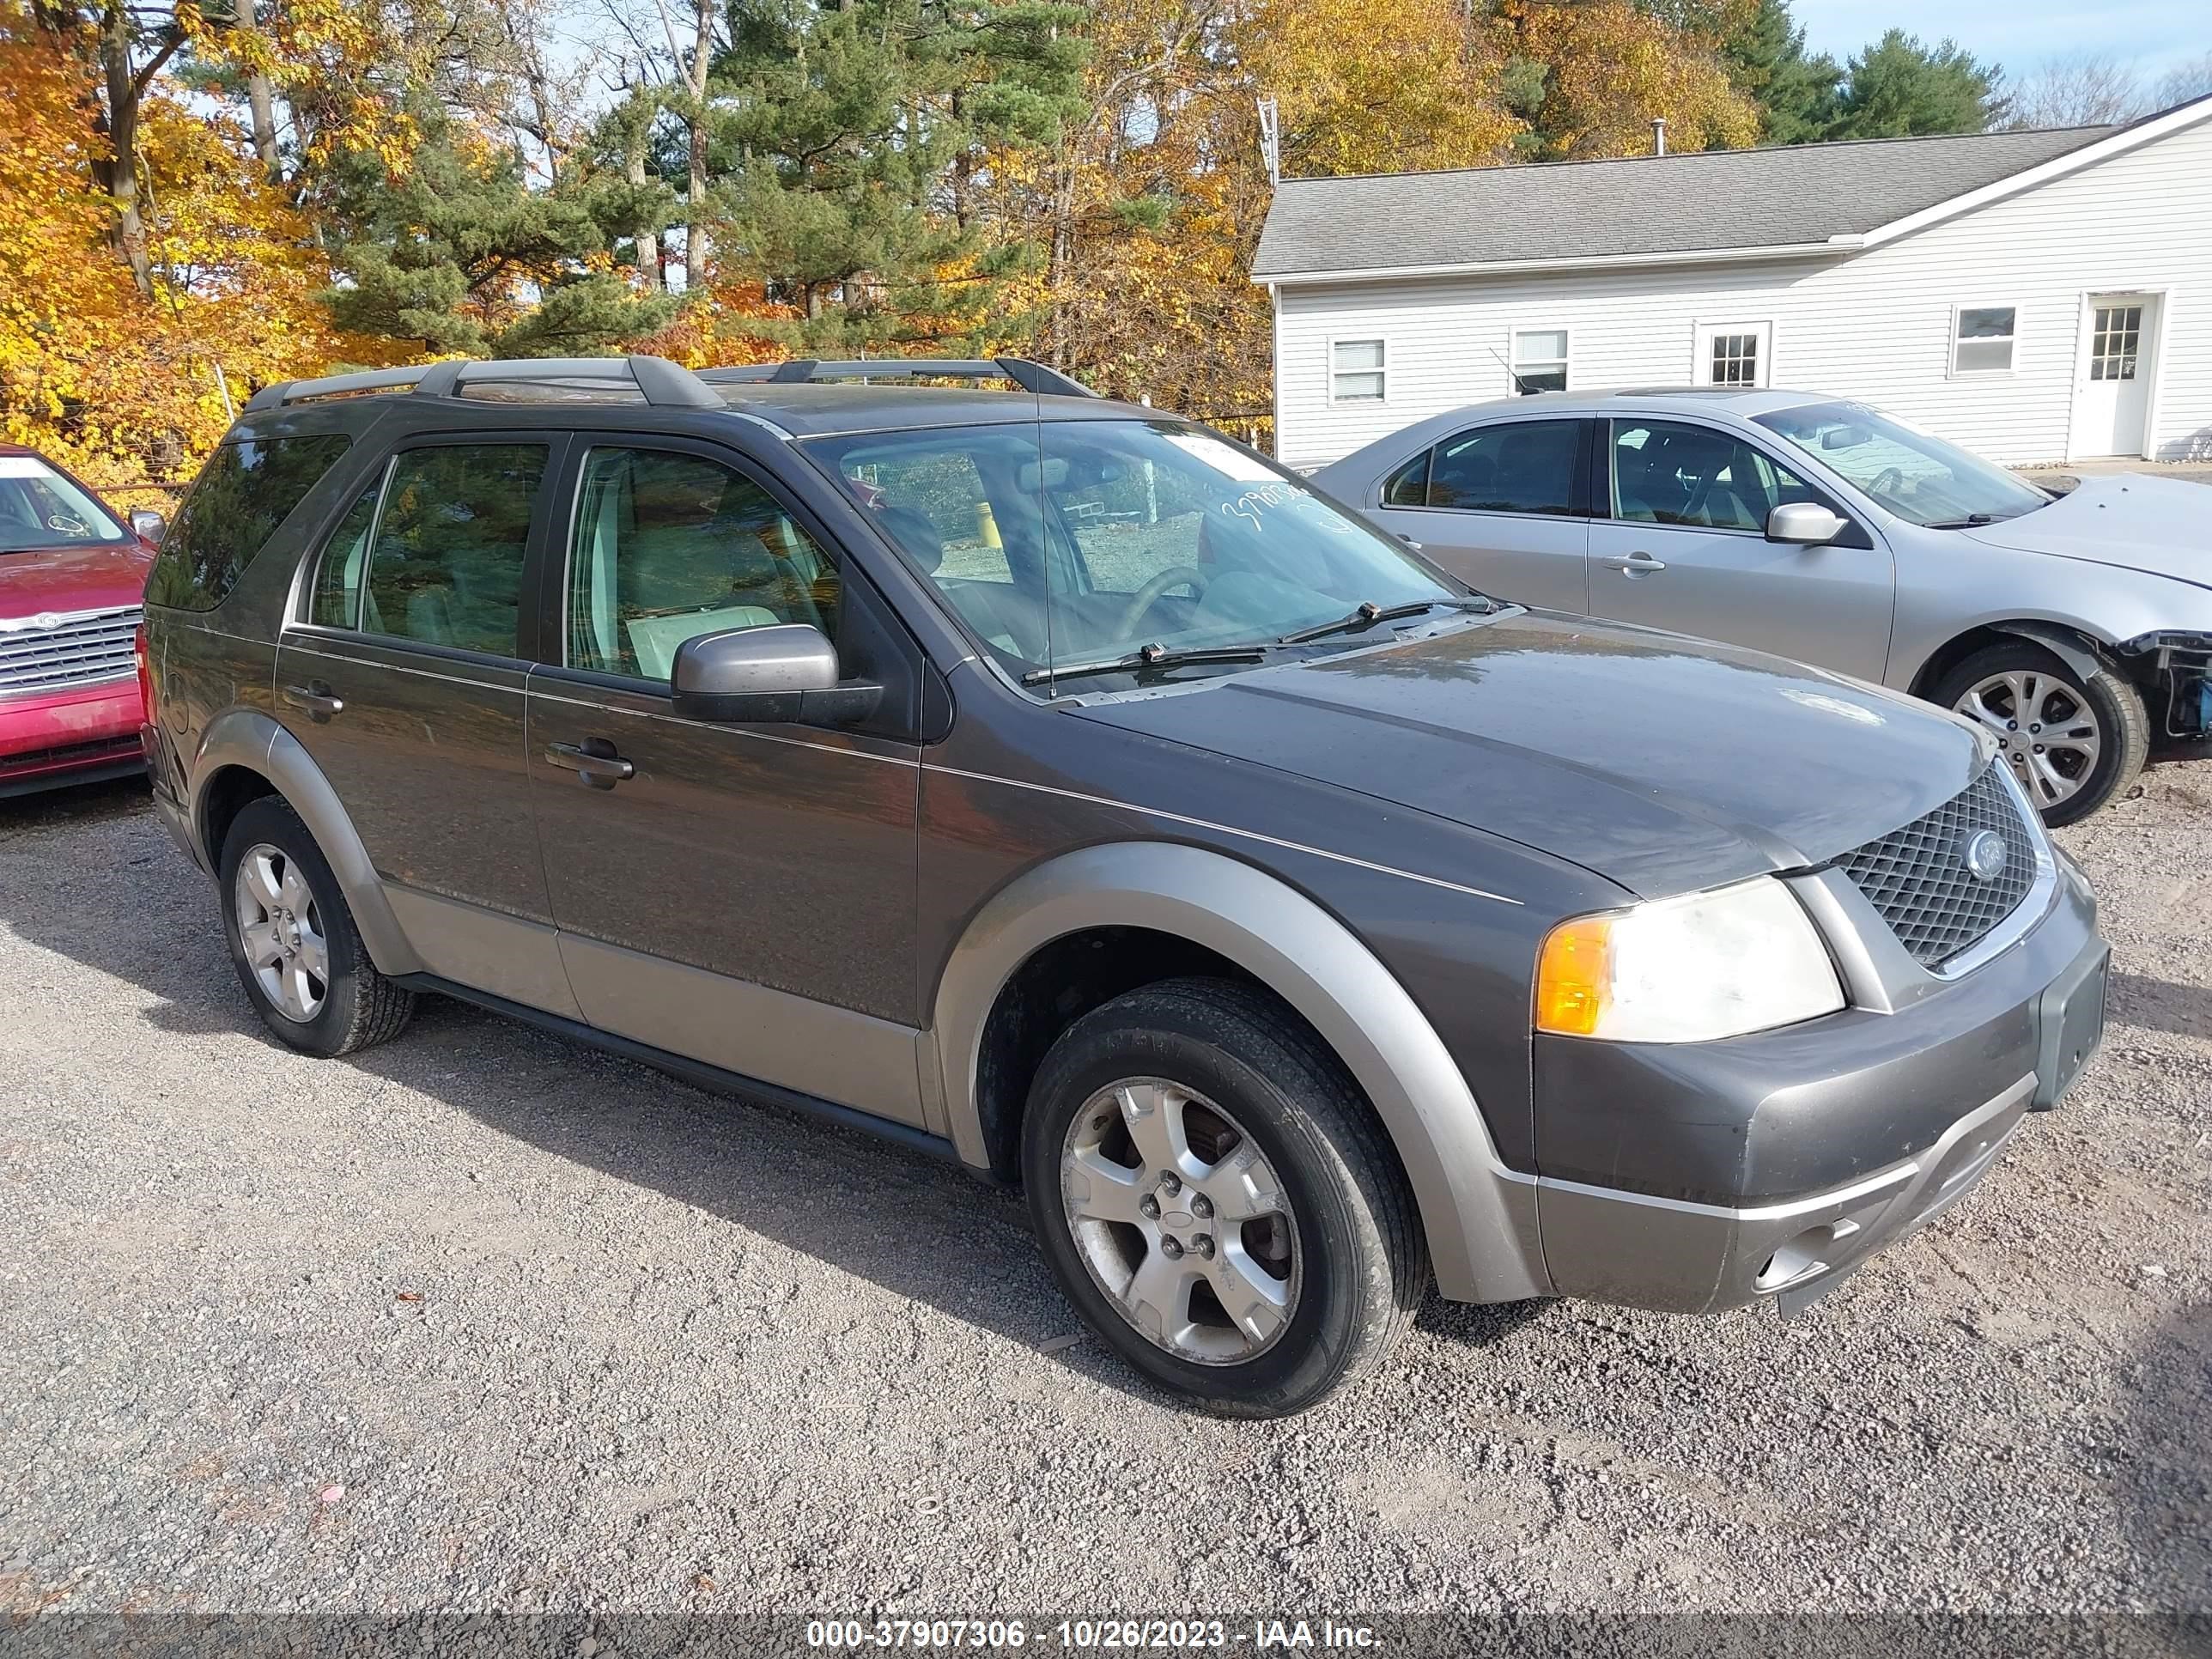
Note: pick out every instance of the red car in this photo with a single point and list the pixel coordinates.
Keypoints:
(72, 575)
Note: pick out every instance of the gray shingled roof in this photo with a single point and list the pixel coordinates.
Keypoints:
(1688, 201)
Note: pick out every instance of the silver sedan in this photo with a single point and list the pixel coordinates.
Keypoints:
(2076, 628)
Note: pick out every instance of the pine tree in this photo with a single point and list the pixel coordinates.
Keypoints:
(1898, 88)
(1766, 57)
(460, 256)
(854, 136)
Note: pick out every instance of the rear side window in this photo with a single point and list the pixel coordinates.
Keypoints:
(245, 491)
(1526, 466)
(446, 565)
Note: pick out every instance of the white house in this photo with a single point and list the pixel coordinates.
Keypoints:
(2037, 296)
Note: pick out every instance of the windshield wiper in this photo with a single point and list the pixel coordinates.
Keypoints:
(1371, 613)
(1151, 658)
(1966, 523)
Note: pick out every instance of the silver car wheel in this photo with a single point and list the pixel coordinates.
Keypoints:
(281, 928)
(1180, 1220)
(2043, 727)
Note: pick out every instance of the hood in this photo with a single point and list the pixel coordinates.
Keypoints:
(1662, 762)
(80, 578)
(2131, 522)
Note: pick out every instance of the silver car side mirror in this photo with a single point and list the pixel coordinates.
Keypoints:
(146, 522)
(1806, 523)
(785, 673)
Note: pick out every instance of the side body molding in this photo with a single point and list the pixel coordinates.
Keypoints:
(1479, 1216)
(248, 738)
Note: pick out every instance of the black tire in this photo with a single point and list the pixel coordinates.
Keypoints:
(1362, 1263)
(2117, 706)
(359, 1005)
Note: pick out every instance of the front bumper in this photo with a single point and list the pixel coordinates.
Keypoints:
(76, 736)
(1698, 1177)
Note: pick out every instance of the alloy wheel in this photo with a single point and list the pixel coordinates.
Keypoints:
(281, 928)
(1180, 1220)
(2043, 726)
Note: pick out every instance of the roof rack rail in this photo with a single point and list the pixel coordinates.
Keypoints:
(1029, 376)
(654, 380)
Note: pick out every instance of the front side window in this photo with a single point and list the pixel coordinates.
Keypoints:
(1085, 540)
(1913, 474)
(1356, 370)
(39, 508)
(1523, 466)
(1682, 473)
(1981, 343)
(245, 493)
(1539, 360)
(668, 546)
(445, 567)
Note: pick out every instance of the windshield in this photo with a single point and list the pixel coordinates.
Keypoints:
(1914, 475)
(1076, 542)
(39, 508)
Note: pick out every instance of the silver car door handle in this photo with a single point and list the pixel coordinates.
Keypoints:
(600, 770)
(1409, 541)
(1634, 564)
(315, 697)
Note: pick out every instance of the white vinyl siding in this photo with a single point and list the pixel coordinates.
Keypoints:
(1879, 325)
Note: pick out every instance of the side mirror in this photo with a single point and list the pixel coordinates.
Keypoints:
(1808, 524)
(787, 673)
(146, 522)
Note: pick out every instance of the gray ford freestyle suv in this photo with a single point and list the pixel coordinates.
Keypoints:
(1056, 787)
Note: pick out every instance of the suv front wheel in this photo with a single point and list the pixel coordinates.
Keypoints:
(1217, 1199)
(292, 940)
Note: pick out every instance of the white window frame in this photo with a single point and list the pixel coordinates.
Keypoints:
(1701, 351)
(1951, 369)
(1515, 367)
(1383, 368)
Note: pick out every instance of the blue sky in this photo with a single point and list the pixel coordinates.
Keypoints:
(2020, 34)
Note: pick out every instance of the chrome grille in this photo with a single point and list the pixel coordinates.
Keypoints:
(78, 648)
(1918, 877)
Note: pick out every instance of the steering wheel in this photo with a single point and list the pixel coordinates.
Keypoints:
(1176, 575)
(1887, 483)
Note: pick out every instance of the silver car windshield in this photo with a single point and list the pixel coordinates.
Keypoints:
(1068, 544)
(1915, 475)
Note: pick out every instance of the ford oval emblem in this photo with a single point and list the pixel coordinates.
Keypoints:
(1985, 855)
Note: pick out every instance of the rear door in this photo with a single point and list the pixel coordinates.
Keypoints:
(1683, 546)
(404, 677)
(744, 894)
(1501, 506)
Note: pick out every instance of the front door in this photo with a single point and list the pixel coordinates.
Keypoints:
(405, 681)
(2112, 394)
(1683, 546)
(1499, 506)
(742, 894)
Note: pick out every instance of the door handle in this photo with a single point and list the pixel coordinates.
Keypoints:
(315, 697)
(1634, 564)
(1409, 541)
(593, 761)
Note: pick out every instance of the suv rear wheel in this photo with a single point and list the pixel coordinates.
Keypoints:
(2073, 744)
(292, 940)
(1216, 1201)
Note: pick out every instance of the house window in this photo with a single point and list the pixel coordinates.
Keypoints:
(1539, 360)
(1981, 342)
(1733, 354)
(1356, 370)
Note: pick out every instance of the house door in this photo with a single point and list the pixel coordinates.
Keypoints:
(2112, 396)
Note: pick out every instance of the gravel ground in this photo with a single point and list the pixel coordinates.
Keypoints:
(480, 1322)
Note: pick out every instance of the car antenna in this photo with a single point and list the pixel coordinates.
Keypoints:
(1512, 373)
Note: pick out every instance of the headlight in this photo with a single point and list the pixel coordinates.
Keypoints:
(1717, 965)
